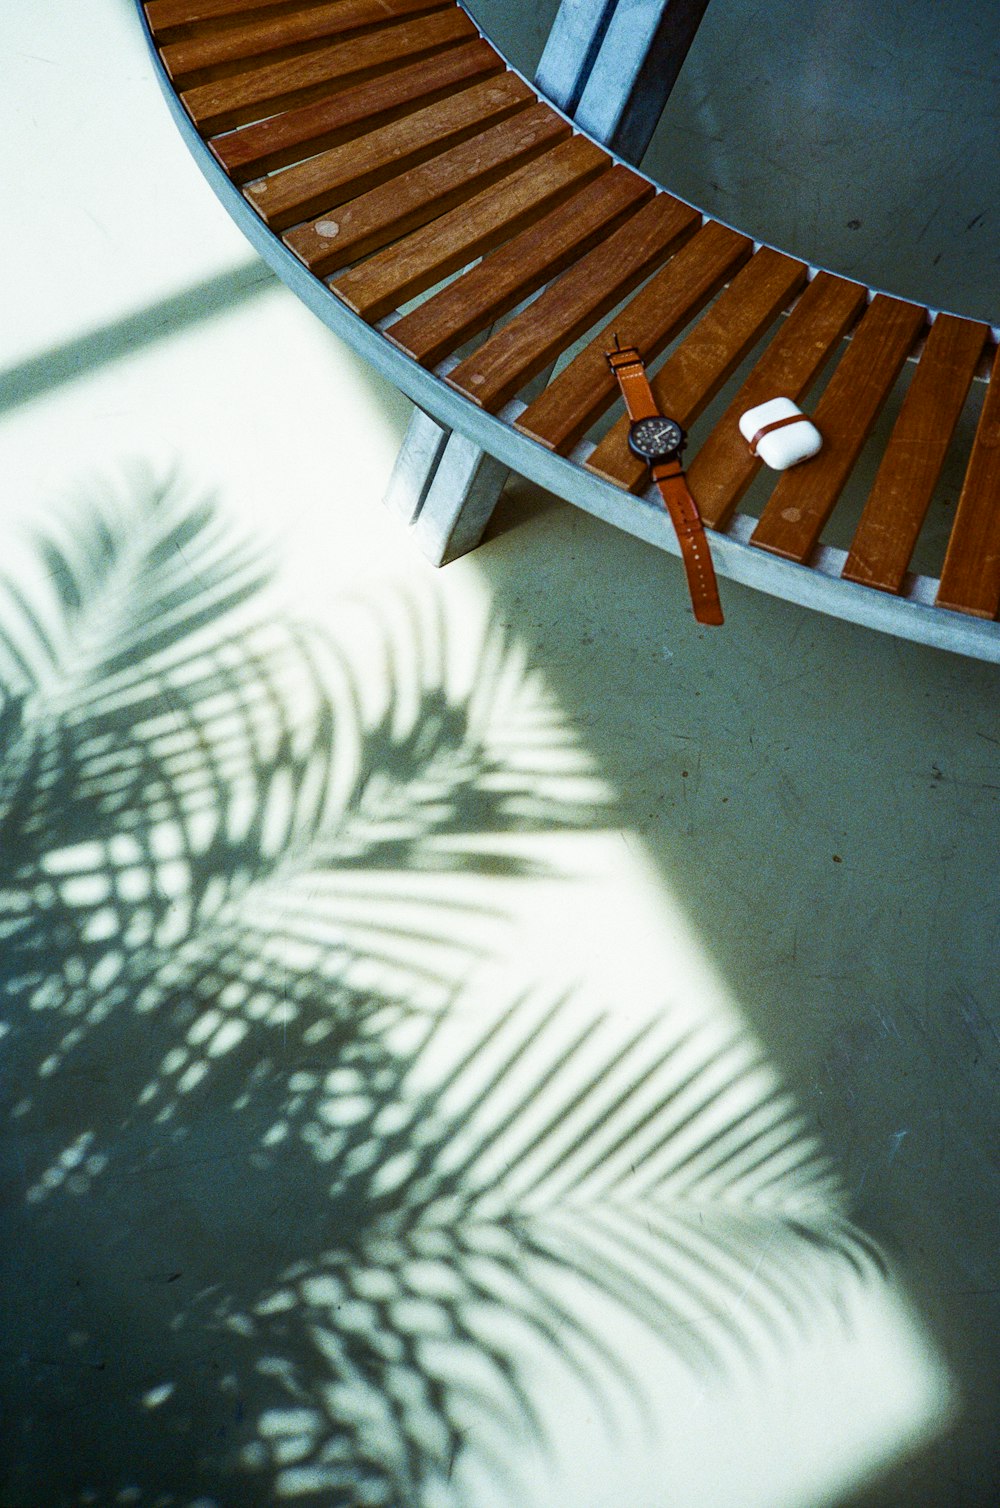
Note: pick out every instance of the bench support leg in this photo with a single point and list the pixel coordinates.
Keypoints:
(445, 486)
(459, 500)
(612, 65)
(418, 460)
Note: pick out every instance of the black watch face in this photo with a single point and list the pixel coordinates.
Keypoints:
(656, 439)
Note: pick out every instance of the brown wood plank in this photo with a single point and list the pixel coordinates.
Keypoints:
(297, 81)
(356, 167)
(424, 193)
(805, 496)
(517, 353)
(970, 579)
(471, 230)
(168, 18)
(562, 414)
(522, 265)
(723, 468)
(287, 138)
(890, 524)
(197, 59)
(690, 378)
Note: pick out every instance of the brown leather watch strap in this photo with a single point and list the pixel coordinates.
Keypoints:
(697, 557)
(630, 369)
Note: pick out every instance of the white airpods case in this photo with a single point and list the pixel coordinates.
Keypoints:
(793, 438)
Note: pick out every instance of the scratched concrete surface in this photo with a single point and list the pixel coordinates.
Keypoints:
(864, 139)
(797, 840)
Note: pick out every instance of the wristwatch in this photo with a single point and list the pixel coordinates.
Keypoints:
(659, 441)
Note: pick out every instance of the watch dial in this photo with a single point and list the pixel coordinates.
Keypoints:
(656, 438)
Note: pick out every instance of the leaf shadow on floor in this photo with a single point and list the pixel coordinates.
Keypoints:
(290, 1207)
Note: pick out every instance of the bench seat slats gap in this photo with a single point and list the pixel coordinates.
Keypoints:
(531, 259)
(394, 148)
(318, 185)
(509, 360)
(424, 193)
(904, 485)
(308, 129)
(805, 496)
(970, 577)
(168, 18)
(474, 228)
(200, 59)
(561, 415)
(707, 357)
(723, 468)
(273, 87)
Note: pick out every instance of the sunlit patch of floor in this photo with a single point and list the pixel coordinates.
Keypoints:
(379, 1043)
(400, 958)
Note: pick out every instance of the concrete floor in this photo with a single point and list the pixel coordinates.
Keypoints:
(645, 879)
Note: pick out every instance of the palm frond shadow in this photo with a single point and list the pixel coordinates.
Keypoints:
(245, 877)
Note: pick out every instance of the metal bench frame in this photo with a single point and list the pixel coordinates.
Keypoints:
(466, 452)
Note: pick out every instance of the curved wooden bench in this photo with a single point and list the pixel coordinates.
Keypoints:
(414, 190)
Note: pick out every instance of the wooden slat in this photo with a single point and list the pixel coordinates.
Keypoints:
(723, 468)
(970, 580)
(517, 353)
(425, 193)
(478, 225)
(517, 269)
(890, 524)
(286, 138)
(197, 59)
(186, 17)
(805, 496)
(345, 172)
(562, 414)
(689, 380)
(297, 81)
(168, 17)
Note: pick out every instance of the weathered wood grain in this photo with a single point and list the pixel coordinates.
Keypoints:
(351, 112)
(805, 496)
(970, 579)
(518, 268)
(723, 468)
(273, 87)
(897, 506)
(475, 227)
(570, 305)
(423, 194)
(573, 401)
(694, 373)
(200, 58)
(316, 186)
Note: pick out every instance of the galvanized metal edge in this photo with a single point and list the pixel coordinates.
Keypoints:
(808, 586)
